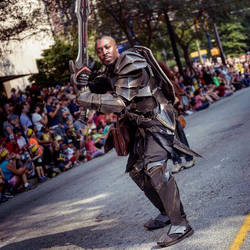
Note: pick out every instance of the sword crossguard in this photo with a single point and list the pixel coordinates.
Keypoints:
(75, 73)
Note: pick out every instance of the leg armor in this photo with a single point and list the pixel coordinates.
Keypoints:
(144, 183)
(166, 188)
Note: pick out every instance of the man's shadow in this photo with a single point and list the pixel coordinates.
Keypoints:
(86, 238)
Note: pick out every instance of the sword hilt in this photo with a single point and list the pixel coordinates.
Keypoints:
(76, 73)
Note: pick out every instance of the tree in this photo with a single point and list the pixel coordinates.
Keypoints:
(246, 28)
(53, 67)
(233, 39)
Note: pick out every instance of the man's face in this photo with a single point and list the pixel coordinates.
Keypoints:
(106, 50)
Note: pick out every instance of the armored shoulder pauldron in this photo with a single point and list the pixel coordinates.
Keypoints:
(133, 76)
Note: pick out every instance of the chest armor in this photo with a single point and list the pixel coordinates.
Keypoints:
(134, 81)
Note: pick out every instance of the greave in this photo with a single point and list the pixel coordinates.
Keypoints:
(168, 193)
(144, 183)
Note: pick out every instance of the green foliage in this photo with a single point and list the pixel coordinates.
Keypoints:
(246, 29)
(53, 67)
(233, 39)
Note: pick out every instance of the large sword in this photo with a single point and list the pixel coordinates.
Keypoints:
(81, 63)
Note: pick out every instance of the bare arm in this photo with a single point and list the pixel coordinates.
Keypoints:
(53, 114)
(12, 167)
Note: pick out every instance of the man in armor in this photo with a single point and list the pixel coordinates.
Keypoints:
(129, 88)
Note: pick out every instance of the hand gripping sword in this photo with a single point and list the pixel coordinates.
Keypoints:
(81, 63)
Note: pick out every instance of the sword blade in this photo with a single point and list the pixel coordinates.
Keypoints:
(82, 11)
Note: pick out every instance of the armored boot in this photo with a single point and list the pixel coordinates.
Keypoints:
(165, 186)
(143, 182)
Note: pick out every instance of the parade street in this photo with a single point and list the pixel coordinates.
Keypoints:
(97, 206)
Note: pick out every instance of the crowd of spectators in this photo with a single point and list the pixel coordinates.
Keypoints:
(44, 132)
(206, 83)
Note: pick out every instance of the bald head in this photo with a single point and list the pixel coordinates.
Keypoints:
(106, 49)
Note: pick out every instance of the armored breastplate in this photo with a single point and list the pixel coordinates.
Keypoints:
(134, 81)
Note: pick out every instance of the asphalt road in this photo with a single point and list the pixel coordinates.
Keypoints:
(97, 206)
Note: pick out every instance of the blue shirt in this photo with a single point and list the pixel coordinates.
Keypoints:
(25, 121)
(52, 121)
(7, 173)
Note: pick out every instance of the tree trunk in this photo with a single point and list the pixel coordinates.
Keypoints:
(186, 57)
(173, 43)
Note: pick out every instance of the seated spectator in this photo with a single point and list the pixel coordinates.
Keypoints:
(92, 150)
(39, 120)
(14, 176)
(74, 108)
(210, 91)
(46, 141)
(22, 143)
(203, 91)
(2, 186)
(61, 160)
(216, 79)
(38, 162)
(100, 119)
(52, 107)
(24, 118)
(28, 163)
(200, 101)
(68, 152)
(245, 82)
(15, 122)
(12, 145)
(107, 125)
(223, 90)
(32, 139)
(98, 136)
(7, 127)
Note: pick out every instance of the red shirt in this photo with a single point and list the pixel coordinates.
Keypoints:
(99, 119)
(13, 148)
(221, 90)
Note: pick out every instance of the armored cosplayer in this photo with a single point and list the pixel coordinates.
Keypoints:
(134, 87)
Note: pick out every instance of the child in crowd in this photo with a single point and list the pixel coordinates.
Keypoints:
(60, 157)
(46, 141)
(92, 150)
(70, 151)
(200, 101)
(38, 162)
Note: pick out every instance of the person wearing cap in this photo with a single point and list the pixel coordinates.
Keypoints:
(38, 162)
(13, 175)
(69, 151)
(33, 140)
(12, 145)
(60, 160)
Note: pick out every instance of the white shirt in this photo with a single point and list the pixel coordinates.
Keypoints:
(36, 118)
(21, 142)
